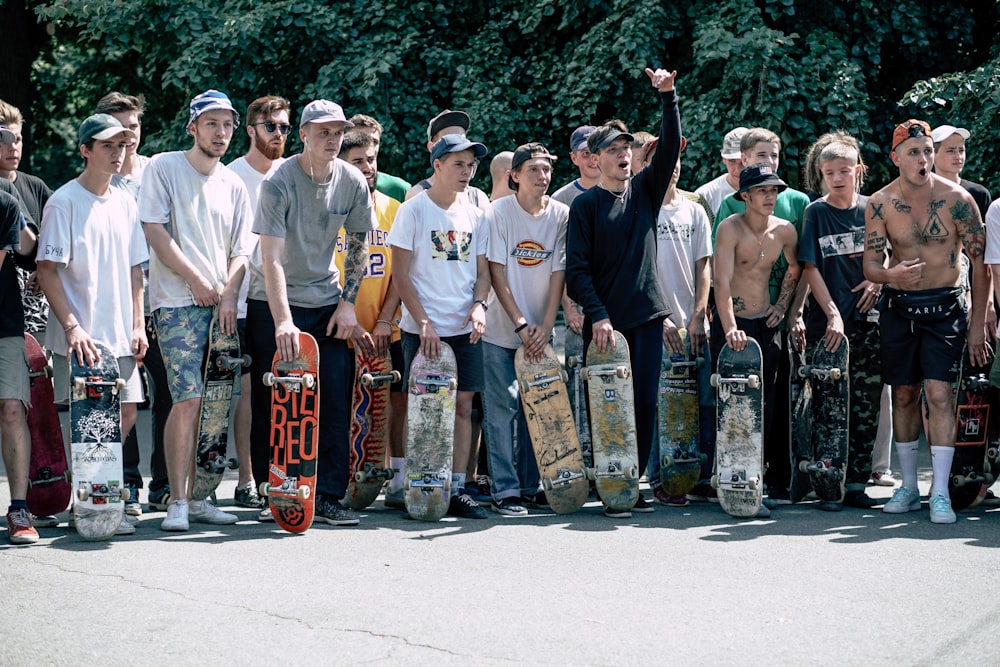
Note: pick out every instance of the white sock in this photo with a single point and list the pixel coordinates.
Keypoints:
(941, 458)
(457, 483)
(907, 452)
(398, 466)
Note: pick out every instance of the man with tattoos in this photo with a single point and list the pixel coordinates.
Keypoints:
(928, 222)
(747, 246)
(297, 287)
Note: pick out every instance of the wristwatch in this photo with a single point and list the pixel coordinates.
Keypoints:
(481, 303)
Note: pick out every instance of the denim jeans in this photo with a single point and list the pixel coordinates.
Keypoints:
(513, 470)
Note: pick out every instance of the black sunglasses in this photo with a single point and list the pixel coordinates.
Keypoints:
(271, 126)
(916, 130)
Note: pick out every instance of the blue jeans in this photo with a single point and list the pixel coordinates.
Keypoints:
(513, 470)
(706, 426)
(336, 384)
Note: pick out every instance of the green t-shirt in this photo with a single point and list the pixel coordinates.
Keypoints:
(392, 186)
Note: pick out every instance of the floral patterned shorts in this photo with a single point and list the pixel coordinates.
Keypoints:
(183, 336)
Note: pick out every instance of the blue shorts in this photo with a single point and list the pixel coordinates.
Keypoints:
(923, 334)
(183, 336)
(468, 356)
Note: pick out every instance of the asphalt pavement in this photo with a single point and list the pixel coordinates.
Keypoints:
(679, 586)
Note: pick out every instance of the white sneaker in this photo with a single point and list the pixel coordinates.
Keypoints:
(177, 517)
(265, 515)
(125, 527)
(203, 511)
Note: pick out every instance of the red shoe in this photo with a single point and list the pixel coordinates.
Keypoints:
(19, 528)
(670, 501)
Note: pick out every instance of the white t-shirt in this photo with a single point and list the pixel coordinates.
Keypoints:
(207, 216)
(445, 246)
(683, 236)
(532, 247)
(992, 255)
(252, 179)
(715, 191)
(95, 241)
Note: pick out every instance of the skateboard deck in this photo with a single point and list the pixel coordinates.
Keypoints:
(221, 362)
(49, 489)
(369, 428)
(976, 427)
(96, 446)
(290, 489)
(679, 437)
(612, 412)
(827, 402)
(799, 424)
(430, 435)
(739, 448)
(547, 412)
(577, 394)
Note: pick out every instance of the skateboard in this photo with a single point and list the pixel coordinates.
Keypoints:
(430, 435)
(826, 406)
(221, 361)
(976, 434)
(739, 448)
(49, 489)
(542, 386)
(680, 446)
(576, 394)
(369, 428)
(95, 425)
(612, 415)
(294, 437)
(799, 424)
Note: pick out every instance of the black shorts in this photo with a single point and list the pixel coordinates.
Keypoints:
(468, 356)
(923, 334)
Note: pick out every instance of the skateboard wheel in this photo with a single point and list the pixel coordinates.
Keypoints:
(268, 379)
(715, 481)
(623, 372)
(303, 492)
(264, 489)
(453, 384)
(523, 386)
(79, 384)
(119, 385)
(82, 495)
(547, 484)
(246, 360)
(309, 380)
(958, 481)
(367, 379)
(47, 372)
(396, 376)
(359, 476)
(563, 375)
(233, 464)
(803, 466)
(752, 484)
(125, 494)
(591, 474)
(585, 374)
(632, 473)
(992, 452)
(572, 361)
(667, 461)
(699, 362)
(835, 373)
(714, 379)
(753, 381)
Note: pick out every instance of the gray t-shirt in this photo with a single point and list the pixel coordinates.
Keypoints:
(308, 216)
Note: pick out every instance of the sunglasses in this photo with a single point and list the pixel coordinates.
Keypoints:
(271, 126)
(916, 130)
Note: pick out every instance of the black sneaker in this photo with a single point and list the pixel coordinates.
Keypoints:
(334, 513)
(535, 501)
(159, 498)
(246, 496)
(617, 514)
(464, 507)
(509, 507)
(642, 506)
(777, 496)
(859, 499)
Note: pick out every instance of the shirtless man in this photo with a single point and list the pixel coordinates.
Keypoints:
(928, 222)
(747, 246)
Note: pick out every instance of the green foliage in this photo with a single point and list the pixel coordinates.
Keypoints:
(525, 70)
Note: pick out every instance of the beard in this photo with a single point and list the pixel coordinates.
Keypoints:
(266, 149)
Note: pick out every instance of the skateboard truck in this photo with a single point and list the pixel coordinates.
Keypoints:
(371, 472)
(46, 478)
(289, 488)
(435, 383)
(543, 380)
(426, 482)
(290, 382)
(375, 380)
(94, 386)
(110, 491)
(822, 373)
(225, 362)
(563, 476)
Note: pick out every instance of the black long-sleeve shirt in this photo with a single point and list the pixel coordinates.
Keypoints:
(611, 242)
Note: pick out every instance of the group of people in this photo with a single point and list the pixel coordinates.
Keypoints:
(141, 253)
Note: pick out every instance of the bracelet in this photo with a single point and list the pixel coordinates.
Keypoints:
(70, 327)
(481, 303)
(521, 328)
(383, 322)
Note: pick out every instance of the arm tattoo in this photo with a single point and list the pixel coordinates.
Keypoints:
(876, 242)
(739, 305)
(788, 284)
(877, 212)
(355, 264)
(970, 227)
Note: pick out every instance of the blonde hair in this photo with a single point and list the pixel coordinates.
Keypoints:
(831, 146)
(10, 114)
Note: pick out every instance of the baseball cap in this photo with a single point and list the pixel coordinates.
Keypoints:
(6, 136)
(756, 175)
(323, 111)
(578, 141)
(101, 126)
(447, 118)
(731, 143)
(910, 128)
(942, 132)
(603, 136)
(526, 152)
(455, 143)
(210, 100)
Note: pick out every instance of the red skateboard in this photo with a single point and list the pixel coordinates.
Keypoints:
(48, 476)
(369, 429)
(294, 436)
